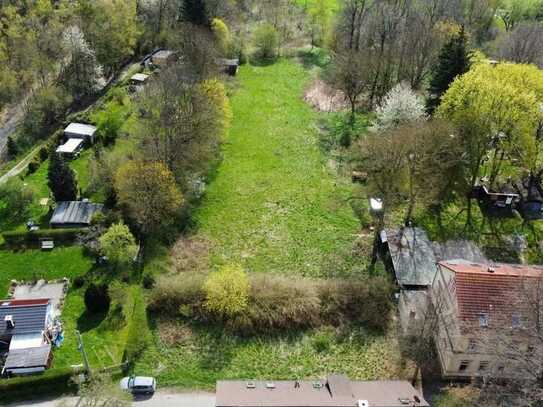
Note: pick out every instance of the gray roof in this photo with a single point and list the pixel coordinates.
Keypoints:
(81, 129)
(30, 357)
(337, 391)
(74, 213)
(412, 256)
(29, 316)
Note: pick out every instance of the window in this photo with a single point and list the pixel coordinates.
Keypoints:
(463, 365)
(412, 314)
(472, 345)
(515, 321)
(483, 366)
(483, 319)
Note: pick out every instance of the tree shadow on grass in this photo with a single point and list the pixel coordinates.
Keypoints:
(88, 321)
(315, 57)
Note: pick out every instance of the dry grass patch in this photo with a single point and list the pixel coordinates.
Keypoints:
(190, 254)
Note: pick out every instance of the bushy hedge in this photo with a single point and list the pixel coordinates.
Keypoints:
(24, 238)
(281, 303)
(53, 381)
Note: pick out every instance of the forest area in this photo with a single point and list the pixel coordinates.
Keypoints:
(236, 237)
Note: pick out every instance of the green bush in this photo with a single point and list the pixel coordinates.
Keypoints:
(18, 238)
(33, 165)
(53, 381)
(15, 201)
(266, 41)
(148, 281)
(43, 154)
(227, 291)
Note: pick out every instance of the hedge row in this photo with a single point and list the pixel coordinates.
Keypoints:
(53, 381)
(138, 330)
(25, 238)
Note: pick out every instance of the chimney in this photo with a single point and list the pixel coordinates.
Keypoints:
(10, 323)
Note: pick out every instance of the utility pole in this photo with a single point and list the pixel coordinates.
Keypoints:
(81, 349)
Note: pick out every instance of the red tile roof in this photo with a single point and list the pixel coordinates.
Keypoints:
(496, 290)
(24, 303)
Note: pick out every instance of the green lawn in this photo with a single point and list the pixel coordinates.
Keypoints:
(275, 205)
(333, 5)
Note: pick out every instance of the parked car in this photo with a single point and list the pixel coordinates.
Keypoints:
(139, 384)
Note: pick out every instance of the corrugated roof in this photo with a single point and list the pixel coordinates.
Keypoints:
(29, 316)
(412, 256)
(139, 77)
(337, 391)
(70, 146)
(81, 129)
(74, 212)
(25, 358)
(496, 290)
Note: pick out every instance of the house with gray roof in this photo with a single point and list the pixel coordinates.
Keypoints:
(74, 214)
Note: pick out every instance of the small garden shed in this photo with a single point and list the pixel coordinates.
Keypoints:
(74, 214)
(81, 131)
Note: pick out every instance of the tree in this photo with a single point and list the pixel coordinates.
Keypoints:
(61, 178)
(222, 35)
(181, 113)
(524, 44)
(112, 29)
(15, 200)
(194, 12)
(319, 21)
(497, 113)
(350, 74)
(454, 60)
(82, 75)
(109, 122)
(118, 244)
(97, 298)
(148, 192)
(401, 105)
(227, 291)
(13, 148)
(266, 41)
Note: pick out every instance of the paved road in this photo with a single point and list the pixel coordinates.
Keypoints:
(162, 398)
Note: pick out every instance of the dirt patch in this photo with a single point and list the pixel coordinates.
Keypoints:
(190, 254)
(42, 289)
(324, 98)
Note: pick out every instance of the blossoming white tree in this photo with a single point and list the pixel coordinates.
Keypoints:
(401, 105)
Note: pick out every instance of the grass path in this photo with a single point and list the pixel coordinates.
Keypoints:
(274, 205)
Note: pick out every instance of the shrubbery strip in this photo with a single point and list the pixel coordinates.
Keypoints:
(18, 238)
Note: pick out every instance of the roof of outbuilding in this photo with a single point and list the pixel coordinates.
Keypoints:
(80, 128)
(496, 290)
(337, 391)
(412, 256)
(74, 212)
(70, 146)
(29, 316)
(30, 357)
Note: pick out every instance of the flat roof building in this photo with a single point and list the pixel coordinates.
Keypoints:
(80, 130)
(335, 391)
(139, 78)
(71, 147)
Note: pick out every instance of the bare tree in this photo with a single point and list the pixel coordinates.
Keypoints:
(524, 44)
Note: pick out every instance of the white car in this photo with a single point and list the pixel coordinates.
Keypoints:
(139, 384)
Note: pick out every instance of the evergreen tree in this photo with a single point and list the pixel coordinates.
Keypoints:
(13, 148)
(454, 60)
(61, 179)
(194, 11)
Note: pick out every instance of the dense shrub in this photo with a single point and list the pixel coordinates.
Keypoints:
(278, 303)
(43, 154)
(281, 303)
(266, 41)
(227, 291)
(148, 281)
(97, 298)
(79, 282)
(362, 300)
(33, 165)
(181, 293)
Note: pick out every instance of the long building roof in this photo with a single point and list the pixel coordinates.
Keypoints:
(74, 212)
(29, 316)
